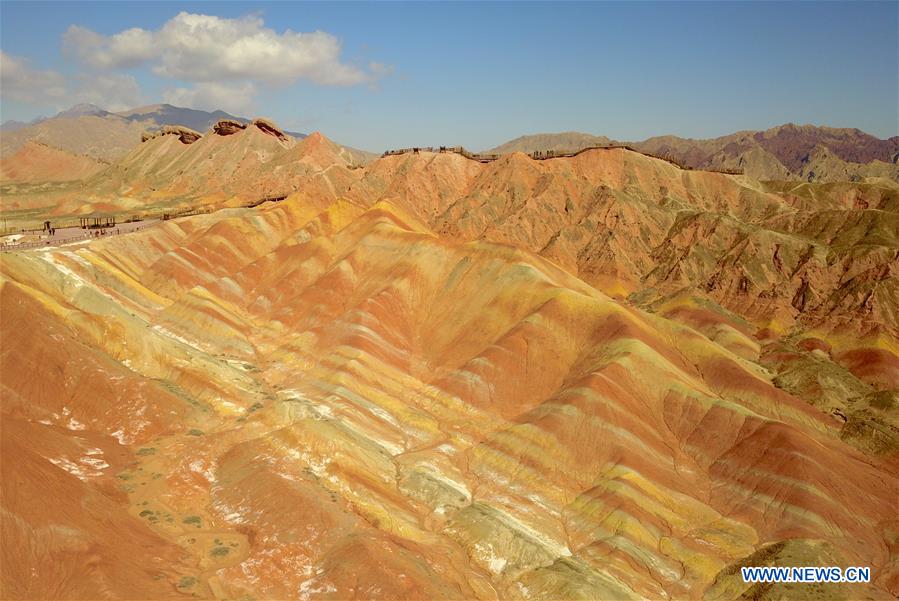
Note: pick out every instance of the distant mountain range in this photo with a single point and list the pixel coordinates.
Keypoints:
(90, 130)
(788, 151)
(161, 113)
(560, 142)
(13, 125)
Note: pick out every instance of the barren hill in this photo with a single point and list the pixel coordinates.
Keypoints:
(406, 414)
(590, 377)
(624, 221)
(565, 141)
(87, 129)
(102, 137)
(250, 161)
(783, 152)
(177, 167)
(37, 162)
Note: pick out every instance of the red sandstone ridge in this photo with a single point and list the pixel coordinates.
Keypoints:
(269, 128)
(185, 134)
(226, 127)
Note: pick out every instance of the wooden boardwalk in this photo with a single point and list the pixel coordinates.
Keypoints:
(87, 228)
(69, 235)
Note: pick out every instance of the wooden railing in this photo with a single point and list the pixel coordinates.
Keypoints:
(90, 229)
(41, 243)
(256, 203)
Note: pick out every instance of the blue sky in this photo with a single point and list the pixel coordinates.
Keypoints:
(381, 75)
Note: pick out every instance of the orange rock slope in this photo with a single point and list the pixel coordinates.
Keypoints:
(38, 162)
(590, 378)
(232, 164)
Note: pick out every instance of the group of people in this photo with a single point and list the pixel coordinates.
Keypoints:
(46, 237)
(103, 232)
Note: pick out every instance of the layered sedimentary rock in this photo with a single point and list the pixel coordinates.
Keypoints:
(269, 128)
(226, 127)
(176, 168)
(598, 377)
(292, 402)
(753, 266)
(627, 222)
(185, 134)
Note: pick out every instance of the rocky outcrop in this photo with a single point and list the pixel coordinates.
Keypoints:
(270, 128)
(185, 134)
(227, 127)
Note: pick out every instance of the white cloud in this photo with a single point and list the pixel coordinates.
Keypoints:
(232, 98)
(18, 81)
(128, 48)
(213, 63)
(204, 48)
